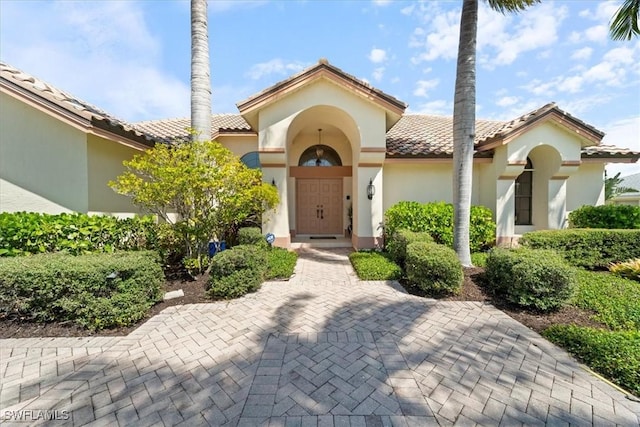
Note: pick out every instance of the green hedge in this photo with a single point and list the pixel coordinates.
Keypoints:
(252, 236)
(400, 239)
(606, 216)
(24, 233)
(371, 265)
(539, 279)
(433, 268)
(615, 300)
(437, 219)
(616, 355)
(281, 263)
(587, 248)
(237, 271)
(95, 291)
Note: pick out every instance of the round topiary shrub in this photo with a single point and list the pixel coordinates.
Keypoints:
(433, 269)
(397, 245)
(237, 271)
(539, 279)
(252, 236)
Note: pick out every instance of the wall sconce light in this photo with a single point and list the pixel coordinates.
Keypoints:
(273, 182)
(371, 190)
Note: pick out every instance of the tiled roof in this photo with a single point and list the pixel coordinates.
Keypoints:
(607, 151)
(31, 86)
(429, 136)
(323, 64)
(176, 129)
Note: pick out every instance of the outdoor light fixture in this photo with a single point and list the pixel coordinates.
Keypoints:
(273, 182)
(319, 150)
(371, 190)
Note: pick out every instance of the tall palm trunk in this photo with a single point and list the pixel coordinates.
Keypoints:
(200, 73)
(464, 129)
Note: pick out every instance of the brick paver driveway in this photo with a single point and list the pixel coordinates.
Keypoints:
(322, 349)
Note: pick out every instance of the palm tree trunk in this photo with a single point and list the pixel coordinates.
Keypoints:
(200, 73)
(464, 124)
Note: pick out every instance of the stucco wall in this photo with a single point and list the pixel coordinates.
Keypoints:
(425, 182)
(104, 159)
(586, 187)
(43, 161)
(239, 145)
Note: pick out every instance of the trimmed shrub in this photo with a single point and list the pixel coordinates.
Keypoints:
(629, 269)
(479, 259)
(615, 300)
(616, 355)
(25, 233)
(95, 291)
(281, 263)
(398, 242)
(539, 279)
(374, 266)
(437, 220)
(252, 236)
(587, 248)
(605, 216)
(433, 269)
(237, 271)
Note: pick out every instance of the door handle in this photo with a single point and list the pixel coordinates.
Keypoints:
(321, 211)
(317, 211)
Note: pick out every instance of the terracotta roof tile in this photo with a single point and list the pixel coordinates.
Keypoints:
(28, 84)
(608, 151)
(429, 136)
(176, 129)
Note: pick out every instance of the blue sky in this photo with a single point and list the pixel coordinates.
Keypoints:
(131, 58)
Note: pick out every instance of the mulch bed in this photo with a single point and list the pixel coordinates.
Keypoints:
(194, 292)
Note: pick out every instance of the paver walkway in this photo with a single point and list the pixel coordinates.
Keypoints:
(323, 349)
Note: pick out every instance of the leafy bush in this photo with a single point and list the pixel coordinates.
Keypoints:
(210, 201)
(433, 269)
(616, 355)
(252, 236)
(479, 259)
(95, 291)
(437, 219)
(400, 239)
(281, 263)
(237, 271)
(374, 266)
(24, 233)
(530, 278)
(629, 269)
(615, 300)
(605, 216)
(587, 248)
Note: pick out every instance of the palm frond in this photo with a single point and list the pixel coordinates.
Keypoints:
(625, 22)
(504, 6)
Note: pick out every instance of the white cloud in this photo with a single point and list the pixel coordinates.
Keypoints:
(378, 73)
(507, 101)
(598, 33)
(424, 86)
(623, 133)
(537, 28)
(381, 2)
(377, 55)
(219, 6)
(442, 39)
(78, 50)
(582, 54)
(274, 66)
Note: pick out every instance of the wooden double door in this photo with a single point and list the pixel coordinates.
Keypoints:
(319, 206)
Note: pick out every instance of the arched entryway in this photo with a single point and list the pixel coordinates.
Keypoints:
(319, 194)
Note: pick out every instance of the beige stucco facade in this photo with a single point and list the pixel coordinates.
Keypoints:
(59, 158)
(50, 164)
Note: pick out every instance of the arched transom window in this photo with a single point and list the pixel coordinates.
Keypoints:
(251, 159)
(524, 195)
(320, 155)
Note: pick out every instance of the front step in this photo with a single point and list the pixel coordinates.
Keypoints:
(299, 242)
